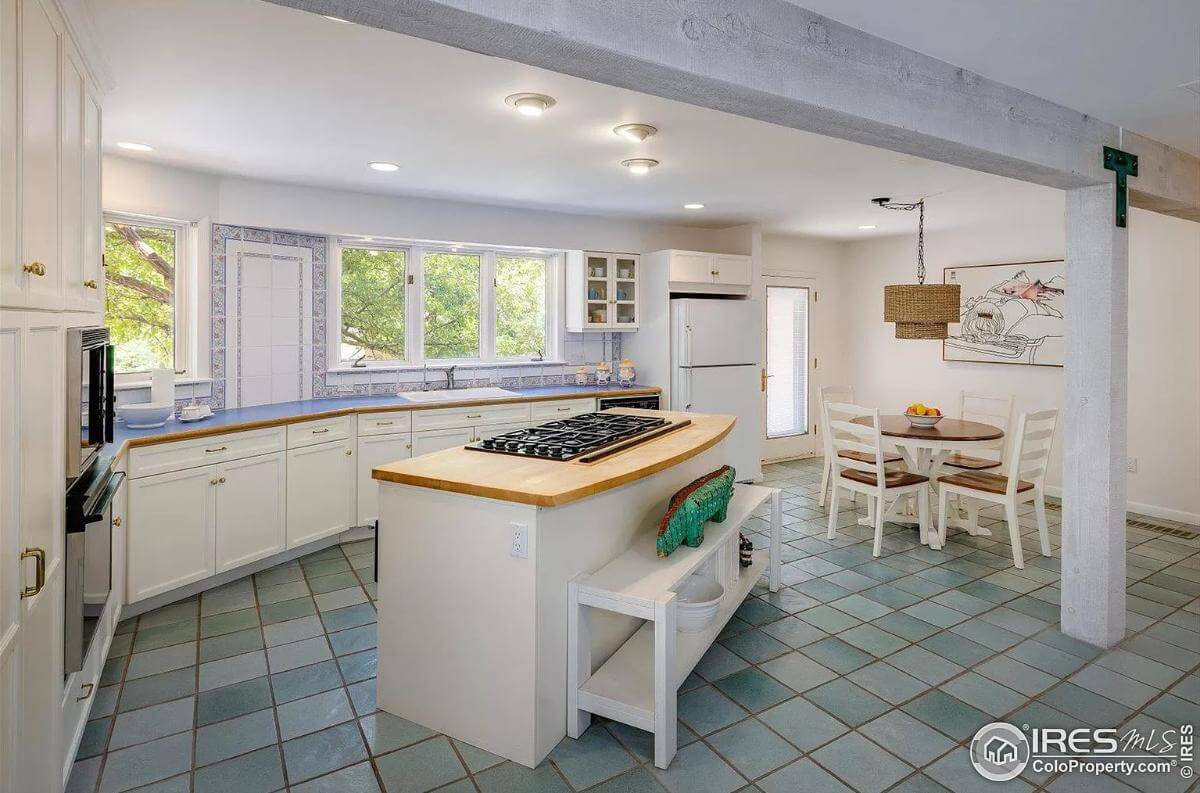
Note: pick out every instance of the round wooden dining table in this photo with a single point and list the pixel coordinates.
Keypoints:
(925, 450)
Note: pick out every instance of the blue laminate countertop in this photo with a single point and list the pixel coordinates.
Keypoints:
(235, 419)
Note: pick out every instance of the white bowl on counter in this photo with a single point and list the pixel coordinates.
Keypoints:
(696, 602)
(147, 415)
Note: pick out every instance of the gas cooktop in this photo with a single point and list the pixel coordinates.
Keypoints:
(567, 439)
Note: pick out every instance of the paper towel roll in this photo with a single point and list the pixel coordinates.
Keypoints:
(162, 386)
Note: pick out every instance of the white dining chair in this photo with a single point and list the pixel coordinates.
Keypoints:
(844, 394)
(994, 409)
(863, 471)
(1024, 481)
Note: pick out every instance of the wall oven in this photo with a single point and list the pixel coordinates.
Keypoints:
(88, 561)
(90, 413)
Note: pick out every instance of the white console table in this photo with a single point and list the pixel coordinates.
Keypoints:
(637, 685)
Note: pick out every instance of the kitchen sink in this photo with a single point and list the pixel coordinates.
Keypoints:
(457, 394)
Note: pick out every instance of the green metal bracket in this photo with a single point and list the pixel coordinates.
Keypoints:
(1125, 165)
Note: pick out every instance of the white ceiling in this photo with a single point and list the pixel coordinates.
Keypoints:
(253, 89)
(1120, 61)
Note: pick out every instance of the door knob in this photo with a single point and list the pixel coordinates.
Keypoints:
(117, 521)
(91, 283)
(34, 268)
(39, 557)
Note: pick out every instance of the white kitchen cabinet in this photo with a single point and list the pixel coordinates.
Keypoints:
(39, 270)
(602, 291)
(499, 429)
(70, 185)
(427, 441)
(700, 272)
(320, 491)
(376, 450)
(541, 412)
(250, 509)
(171, 531)
(478, 416)
(92, 262)
(12, 634)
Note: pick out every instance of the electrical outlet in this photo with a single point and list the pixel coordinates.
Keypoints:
(520, 541)
(1131, 465)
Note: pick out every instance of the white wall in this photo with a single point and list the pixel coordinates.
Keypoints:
(1164, 340)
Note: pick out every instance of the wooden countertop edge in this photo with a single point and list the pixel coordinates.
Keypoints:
(554, 499)
(205, 432)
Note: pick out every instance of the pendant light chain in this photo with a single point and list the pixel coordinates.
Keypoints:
(921, 243)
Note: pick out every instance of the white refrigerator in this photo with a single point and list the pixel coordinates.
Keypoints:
(715, 350)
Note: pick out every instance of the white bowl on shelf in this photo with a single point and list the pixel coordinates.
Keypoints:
(146, 415)
(696, 602)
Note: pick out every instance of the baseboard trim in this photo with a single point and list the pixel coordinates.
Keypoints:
(1152, 510)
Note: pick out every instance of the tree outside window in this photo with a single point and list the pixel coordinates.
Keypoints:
(451, 309)
(139, 294)
(373, 310)
(520, 306)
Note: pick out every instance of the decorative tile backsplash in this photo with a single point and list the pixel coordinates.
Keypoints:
(268, 307)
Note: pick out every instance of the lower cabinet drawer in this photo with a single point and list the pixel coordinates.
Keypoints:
(387, 423)
(163, 457)
(447, 418)
(560, 408)
(310, 433)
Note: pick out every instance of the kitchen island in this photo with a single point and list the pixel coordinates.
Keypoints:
(476, 551)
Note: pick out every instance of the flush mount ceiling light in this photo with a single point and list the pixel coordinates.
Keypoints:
(386, 167)
(693, 206)
(920, 310)
(640, 165)
(129, 145)
(635, 132)
(530, 104)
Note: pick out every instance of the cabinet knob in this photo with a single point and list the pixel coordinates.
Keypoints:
(221, 481)
(408, 446)
(39, 559)
(91, 283)
(213, 481)
(349, 452)
(117, 521)
(34, 268)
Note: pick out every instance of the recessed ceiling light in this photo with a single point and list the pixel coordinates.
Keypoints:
(635, 132)
(865, 228)
(129, 145)
(693, 206)
(640, 165)
(386, 167)
(530, 104)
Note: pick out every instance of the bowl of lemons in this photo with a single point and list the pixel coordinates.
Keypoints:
(920, 415)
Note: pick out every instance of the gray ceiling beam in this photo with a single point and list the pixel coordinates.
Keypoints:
(776, 62)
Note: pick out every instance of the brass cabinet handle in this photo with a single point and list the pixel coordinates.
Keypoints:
(117, 521)
(384, 423)
(214, 451)
(91, 284)
(86, 688)
(474, 415)
(318, 432)
(561, 410)
(34, 268)
(39, 557)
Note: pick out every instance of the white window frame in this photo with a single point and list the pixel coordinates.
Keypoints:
(414, 332)
(185, 298)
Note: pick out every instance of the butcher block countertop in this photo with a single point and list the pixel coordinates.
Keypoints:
(551, 483)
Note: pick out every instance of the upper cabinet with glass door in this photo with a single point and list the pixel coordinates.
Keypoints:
(602, 291)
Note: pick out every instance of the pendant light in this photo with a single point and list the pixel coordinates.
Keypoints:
(920, 310)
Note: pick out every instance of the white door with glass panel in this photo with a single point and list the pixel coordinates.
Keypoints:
(790, 417)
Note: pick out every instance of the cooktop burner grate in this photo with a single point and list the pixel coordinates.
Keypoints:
(566, 439)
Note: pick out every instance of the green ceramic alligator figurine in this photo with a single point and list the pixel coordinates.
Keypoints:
(703, 500)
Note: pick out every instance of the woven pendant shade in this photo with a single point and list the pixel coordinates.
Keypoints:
(921, 311)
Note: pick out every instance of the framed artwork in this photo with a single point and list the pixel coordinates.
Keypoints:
(1010, 313)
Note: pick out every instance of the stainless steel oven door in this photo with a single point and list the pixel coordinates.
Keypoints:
(88, 581)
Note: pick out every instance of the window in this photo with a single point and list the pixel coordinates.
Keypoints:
(412, 304)
(143, 275)
(520, 306)
(373, 310)
(451, 309)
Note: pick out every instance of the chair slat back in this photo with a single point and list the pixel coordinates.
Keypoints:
(847, 436)
(1030, 454)
(994, 409)
(832, 393)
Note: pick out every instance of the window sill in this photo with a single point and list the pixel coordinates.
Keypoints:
(435, 367)
(133, 386)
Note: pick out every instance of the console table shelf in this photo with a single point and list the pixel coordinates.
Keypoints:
(637, 685)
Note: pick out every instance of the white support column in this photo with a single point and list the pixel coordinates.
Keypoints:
(1094, 464)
